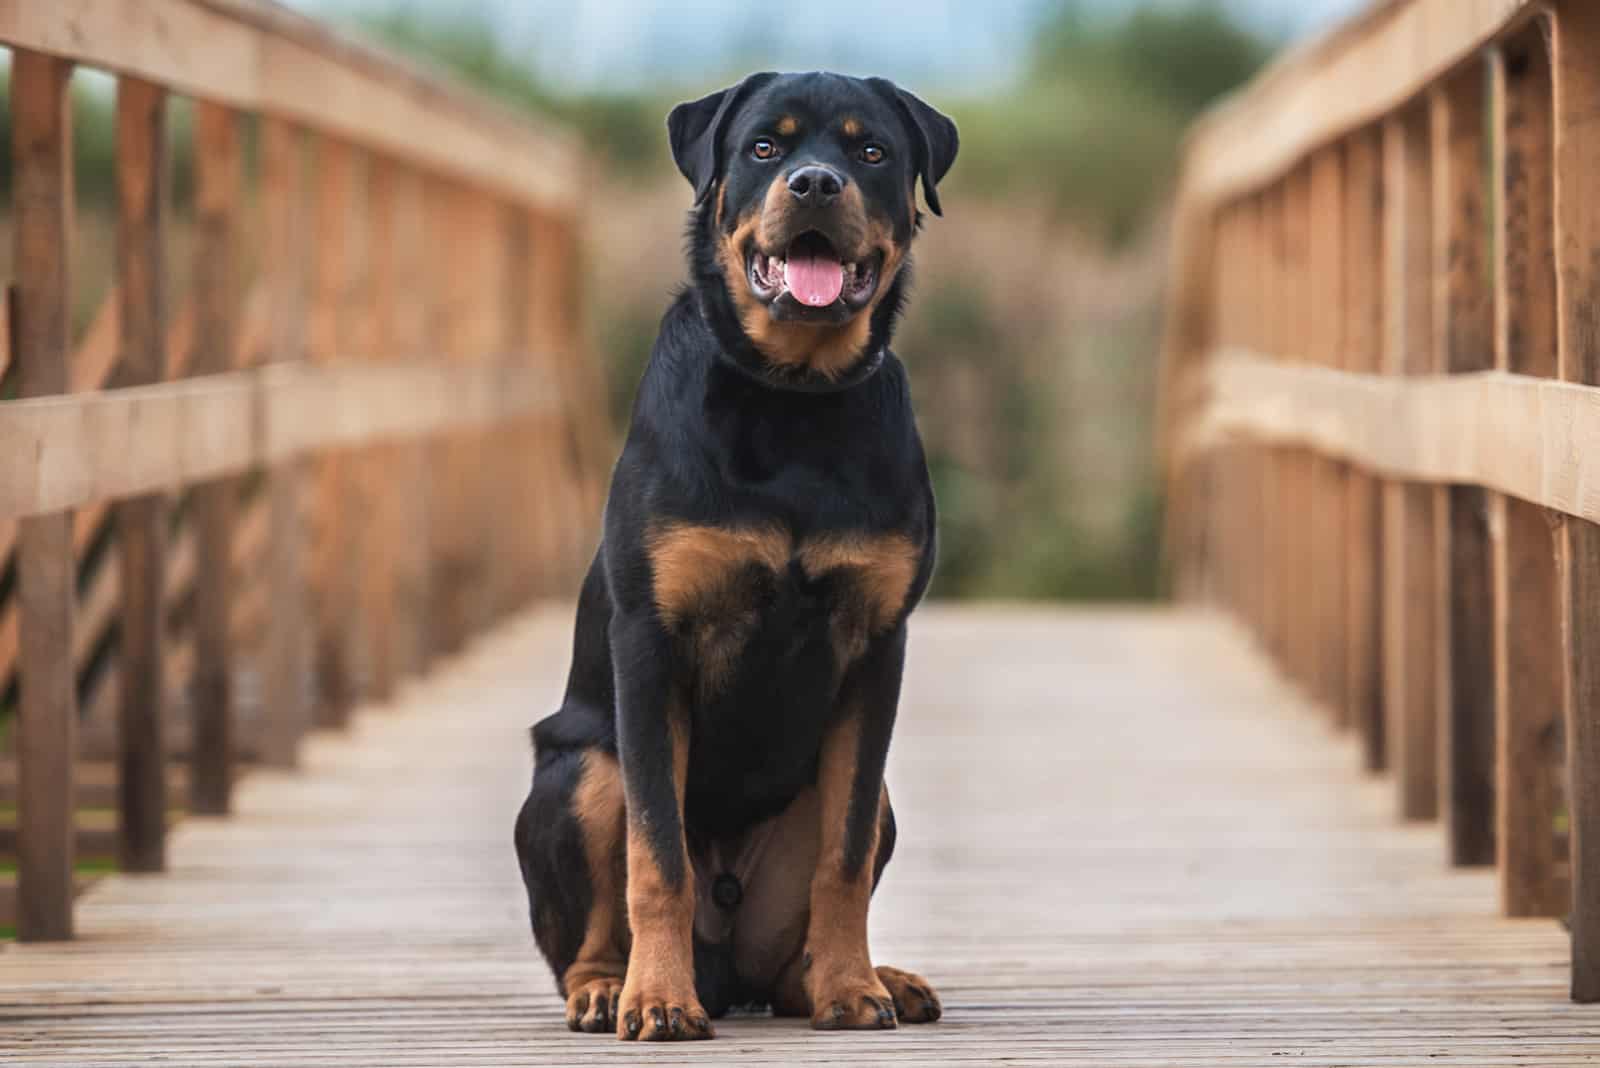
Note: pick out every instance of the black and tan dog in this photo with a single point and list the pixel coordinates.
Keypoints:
(708, 816)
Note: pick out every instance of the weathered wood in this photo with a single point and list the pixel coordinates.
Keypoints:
(1409, 533)
(218, 194)
(379, 478)
(333, 585)
(42, 207)
(1577, 211)
(286, 659)
(1327, 533)
(1527, 647)
(1274, 914)
(1463, 330)
(142, 522)
(261, 58)
(1362, 72)
(1363, 254)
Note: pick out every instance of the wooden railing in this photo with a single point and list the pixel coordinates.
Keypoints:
(1382, 416)
(366, 431)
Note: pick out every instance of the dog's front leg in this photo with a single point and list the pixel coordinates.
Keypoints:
(658, 997)
(844, 991)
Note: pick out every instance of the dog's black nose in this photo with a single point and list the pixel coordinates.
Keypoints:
(815, 186)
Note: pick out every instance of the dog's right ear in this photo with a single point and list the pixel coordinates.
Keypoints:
(695, 130)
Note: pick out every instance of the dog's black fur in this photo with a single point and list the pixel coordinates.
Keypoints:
(769, 529)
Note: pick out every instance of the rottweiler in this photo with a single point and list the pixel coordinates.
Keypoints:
(708, 817)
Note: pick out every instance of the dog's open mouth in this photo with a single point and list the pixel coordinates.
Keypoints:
(811, 281)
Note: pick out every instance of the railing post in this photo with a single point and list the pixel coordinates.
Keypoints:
(286, 681)
(1463, 333)
(142, 521)
(1408, 509)
(41, 152)
(1328, 476)
(1527, 651)
(1577, 229)
(1363, 294)
(334, 588)
(218, 177)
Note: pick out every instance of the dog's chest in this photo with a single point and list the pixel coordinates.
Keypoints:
(720, 589)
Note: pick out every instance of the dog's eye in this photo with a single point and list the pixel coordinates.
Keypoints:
(764, 149)
(872, 153)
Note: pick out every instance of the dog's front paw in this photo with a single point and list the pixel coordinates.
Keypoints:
(592, 1007)
(852, 1003)
(660, 1012)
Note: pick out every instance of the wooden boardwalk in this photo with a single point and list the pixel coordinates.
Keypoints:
(1121, 843)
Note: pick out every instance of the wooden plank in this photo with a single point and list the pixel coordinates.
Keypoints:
(219, 180)
(97, 784)
(1306, 927)
(383, 486)
(142, 522)
(285, 664)
(1577, 147)
(1408, 508)
(41, 153)
(258, 57)
(1368, 69)
(1363, 251)
(1463, 330)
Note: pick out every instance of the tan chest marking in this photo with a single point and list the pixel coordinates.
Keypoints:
(698, 572)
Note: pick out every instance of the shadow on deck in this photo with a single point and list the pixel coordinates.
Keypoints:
(1121, 842)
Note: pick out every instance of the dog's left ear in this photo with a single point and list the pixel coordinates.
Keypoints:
(695, 131)
(934, 134)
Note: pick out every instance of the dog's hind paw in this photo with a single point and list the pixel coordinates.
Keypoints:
(915, 1000)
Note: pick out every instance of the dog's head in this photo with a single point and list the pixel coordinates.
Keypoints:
(805, 192)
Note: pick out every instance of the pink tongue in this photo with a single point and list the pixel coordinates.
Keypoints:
(816, 281)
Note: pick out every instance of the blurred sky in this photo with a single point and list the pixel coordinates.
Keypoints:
(952, 44)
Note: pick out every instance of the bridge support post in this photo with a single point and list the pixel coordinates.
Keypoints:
(1576, 65)
(41, 134)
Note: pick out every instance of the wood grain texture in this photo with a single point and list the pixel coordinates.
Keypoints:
(1274, 913)
(1363, 251)
(1528, 655)
(1576, 62)
(219, 189)
(283, 200)
(1409, 529)
(1369, 68)
(1463, 330)
(142, 522)
(42, 206)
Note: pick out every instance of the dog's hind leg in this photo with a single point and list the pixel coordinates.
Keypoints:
(570, 842)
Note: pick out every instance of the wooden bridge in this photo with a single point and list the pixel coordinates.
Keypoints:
(291, 546)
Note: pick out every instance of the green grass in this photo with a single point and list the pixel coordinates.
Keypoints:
(84, 866)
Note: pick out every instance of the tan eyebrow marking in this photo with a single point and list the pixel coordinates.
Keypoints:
(852, 127)
(788, 125)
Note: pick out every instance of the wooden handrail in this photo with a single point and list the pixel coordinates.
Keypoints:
(259, 57)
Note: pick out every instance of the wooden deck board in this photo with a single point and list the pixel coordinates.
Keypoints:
(1122, 842)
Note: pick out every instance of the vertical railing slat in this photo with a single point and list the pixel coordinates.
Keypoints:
(1408, 509)
(219, 175)
(1463, 333)
(1527, 647)
(1363, 258)
(42, 206)
(142, 191)
(1577, 227)
(286, 663)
